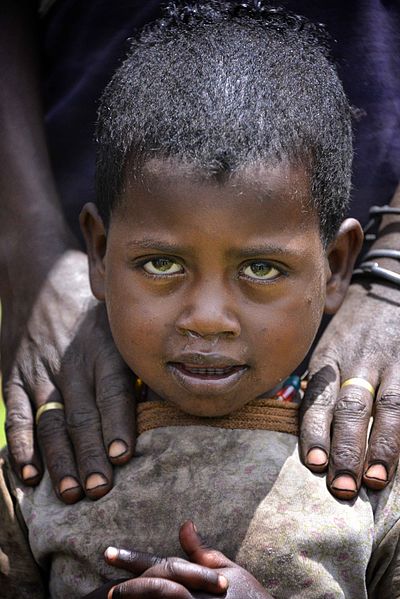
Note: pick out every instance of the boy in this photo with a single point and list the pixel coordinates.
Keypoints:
(217, 243)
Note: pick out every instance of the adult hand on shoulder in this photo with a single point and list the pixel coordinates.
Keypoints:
(208, 574)
(361, 345)
(62, 351)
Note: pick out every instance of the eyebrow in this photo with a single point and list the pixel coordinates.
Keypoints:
(268, 248)
(249, 251)
(155, 244)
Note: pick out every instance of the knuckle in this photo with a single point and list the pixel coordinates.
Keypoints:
(390, 399)
(386, 445)
(111, 389)
(157, 585)
(347, 456)
(352, 406)
(18, 421)
(50, 425)
(82, 418)
(59, 464)
(170, 569)
(131, 557)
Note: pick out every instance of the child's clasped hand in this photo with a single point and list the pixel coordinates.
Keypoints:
(206, 573)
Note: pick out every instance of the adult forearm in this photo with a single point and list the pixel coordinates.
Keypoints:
(33, 232)
(388, 236)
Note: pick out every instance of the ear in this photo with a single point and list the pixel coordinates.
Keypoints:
(342, 253)
(94, 232)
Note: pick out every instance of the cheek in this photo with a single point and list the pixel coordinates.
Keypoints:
(288, 329)
(139, 323)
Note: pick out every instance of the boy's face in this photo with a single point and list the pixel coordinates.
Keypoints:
(214, 292)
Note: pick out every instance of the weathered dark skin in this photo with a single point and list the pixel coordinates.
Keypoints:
(55, 343)
(207, 574)
(45, 305)
(362, 340)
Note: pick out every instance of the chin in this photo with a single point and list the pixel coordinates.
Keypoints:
(208, 408)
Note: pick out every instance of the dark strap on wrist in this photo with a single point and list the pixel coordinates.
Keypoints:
(372, 269)
(376, 212)
(382, 253)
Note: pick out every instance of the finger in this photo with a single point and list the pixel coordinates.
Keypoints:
(56, 446)
(84, 428)
(191, 576)
(149, 588)
(197, 551)
(350, 427)
(21, 443)
(384, 443)
(135, 562)
(102, 592)
(115, 401)
(316, 413)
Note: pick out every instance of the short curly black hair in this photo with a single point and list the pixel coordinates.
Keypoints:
(223, 85)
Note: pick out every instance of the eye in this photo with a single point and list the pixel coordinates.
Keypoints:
(162, 266)
(261, 271)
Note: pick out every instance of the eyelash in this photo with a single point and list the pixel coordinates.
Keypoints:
(258, 281)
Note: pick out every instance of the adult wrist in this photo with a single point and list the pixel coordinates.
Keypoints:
(381, 261)
(24, 271)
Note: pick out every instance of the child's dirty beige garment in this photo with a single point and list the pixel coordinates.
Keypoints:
(249, 496)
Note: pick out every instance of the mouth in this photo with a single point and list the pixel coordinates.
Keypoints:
(209, 372)
(213, 378)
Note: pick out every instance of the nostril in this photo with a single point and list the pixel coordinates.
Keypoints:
(210, 336)
(193, 334)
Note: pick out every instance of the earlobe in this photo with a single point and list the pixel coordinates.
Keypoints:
(94, 232)
(342, 254)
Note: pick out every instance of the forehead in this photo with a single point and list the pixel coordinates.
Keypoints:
(276, 196)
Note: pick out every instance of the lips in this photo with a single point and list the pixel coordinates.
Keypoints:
(206, 374)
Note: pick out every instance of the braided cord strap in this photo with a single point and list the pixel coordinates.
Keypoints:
(259, 414)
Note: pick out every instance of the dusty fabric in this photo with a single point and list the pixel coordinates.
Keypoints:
(19, 574)
(249, 496)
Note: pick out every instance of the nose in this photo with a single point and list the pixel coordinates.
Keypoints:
(209, 311)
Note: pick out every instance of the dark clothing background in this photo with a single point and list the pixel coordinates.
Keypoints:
(84, 42)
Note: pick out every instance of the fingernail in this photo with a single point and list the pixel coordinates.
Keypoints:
(95, 480)
(29, 472)
(222, 581)
(110, 593)
(68, 483)
(111, 552)
(378, 472)
(344, 482)
(117, 449)
(317, 457)
(195, 528)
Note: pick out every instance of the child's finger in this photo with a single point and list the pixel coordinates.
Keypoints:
(192, 576)
(197, 550)
(149, 588)
(135, 562)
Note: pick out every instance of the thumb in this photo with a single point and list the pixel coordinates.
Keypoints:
(197, 551)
